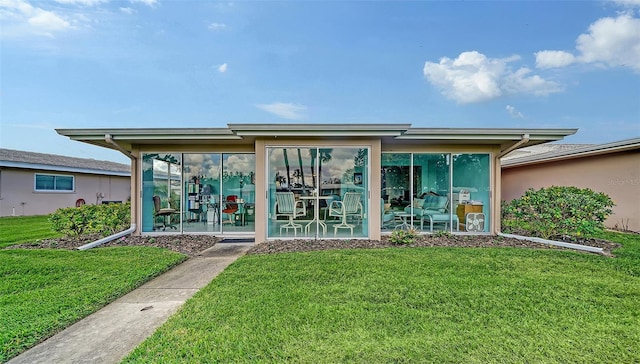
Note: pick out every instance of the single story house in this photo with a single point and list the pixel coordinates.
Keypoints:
(38, 184)
(611, 168)
(315, 180)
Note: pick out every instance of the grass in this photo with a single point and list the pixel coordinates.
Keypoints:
(44, 291)
(22, 229)
(440, 305)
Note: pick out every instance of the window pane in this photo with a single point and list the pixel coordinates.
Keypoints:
(471, 190)
(44, 182)
(64, 183)
(313, 185)
(238, 183)
(161, 177)
(432, 190)
(202, 192)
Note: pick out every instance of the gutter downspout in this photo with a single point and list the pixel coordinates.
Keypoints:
(108, 238)
(591, 249)
(109, 139)
(523, 140)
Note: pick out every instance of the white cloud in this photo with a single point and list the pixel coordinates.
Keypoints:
(129, 11)
(551, 59)
(628, 3)
(514, 113)
(48, 20)
(222, 68)
(151, 3)
(217, 26)
(20, 18)
(520, 82)
(285, 110)
(613, 42)
(81, 2)
(473, 77)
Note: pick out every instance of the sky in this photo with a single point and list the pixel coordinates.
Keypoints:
(459, 64)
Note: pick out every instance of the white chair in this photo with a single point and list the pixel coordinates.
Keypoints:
(289, 207)
(350, 206)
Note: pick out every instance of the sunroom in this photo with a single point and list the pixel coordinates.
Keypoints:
(315, 181)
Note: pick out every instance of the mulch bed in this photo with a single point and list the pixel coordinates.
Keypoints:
(193, 245)
(468, 241)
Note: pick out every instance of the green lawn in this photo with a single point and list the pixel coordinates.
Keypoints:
(44, 291)
(22, 229)
(434, 305)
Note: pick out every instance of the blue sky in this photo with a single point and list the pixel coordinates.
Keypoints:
(155, 63)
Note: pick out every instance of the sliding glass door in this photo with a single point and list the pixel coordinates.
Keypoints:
(198, 192)
(317, 192)
(161, 192)
(435, 191)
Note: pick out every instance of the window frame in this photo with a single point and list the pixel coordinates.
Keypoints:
(54, 190)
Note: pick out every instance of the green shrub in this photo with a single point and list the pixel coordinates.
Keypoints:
(402, 237)
(442, 234)
(558, 211)
(92, 219)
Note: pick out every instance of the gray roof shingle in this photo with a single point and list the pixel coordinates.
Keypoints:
(24, 159)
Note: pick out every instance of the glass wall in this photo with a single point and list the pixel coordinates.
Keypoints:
(435, 191)
(318, 192)
(472, 191)
(203, 192)
(238, 192)
(161, 192)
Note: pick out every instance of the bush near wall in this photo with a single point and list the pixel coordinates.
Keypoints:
(92, 219)
(557, 211)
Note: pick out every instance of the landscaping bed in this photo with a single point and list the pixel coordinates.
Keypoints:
(192, 245)
(436, 240)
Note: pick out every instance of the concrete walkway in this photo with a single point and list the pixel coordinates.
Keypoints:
(108, 335)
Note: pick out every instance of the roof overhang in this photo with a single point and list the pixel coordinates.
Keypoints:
(126, 138)
(507, 139)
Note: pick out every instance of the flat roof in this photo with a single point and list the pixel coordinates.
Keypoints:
(247, 133)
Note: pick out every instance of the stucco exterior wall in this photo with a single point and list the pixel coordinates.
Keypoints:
(616, 174)
(18, 196)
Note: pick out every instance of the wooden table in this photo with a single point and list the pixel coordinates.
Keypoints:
(463, 209)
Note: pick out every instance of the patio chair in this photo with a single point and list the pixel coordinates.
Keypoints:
(350, 206)
(164, 213)
(386, 218)
(289, 207)
(230, 208)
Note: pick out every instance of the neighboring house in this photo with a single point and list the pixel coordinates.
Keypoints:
(274, 181)
(38, 184)
(612, 168)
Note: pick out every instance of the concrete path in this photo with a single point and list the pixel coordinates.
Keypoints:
(108, 335)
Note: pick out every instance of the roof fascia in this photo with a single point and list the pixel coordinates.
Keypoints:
(486, 133)
(150, 134)
(312, 130)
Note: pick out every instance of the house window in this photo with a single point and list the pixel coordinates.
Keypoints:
(436, 191)
(53, 182)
